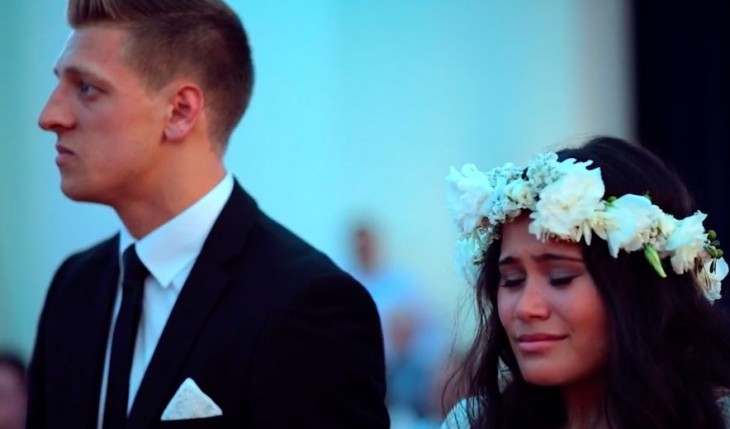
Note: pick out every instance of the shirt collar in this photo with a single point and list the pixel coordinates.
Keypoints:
(172, 246)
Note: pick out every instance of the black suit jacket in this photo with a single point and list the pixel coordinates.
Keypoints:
(266, 325)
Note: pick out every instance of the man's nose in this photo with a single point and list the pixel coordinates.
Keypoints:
(55, 116)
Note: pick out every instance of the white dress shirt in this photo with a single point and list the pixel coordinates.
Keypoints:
(169, 253)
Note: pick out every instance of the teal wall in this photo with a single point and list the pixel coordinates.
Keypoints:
(359, 109)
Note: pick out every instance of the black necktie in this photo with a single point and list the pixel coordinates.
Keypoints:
(125, 334)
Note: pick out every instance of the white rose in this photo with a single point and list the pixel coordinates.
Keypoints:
(629, 223)
(467, 192)
(687, 242)
(711, 283)
(566, 207)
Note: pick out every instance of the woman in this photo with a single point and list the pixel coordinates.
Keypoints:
(594, 279)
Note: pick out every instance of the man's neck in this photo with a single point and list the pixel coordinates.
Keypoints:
(148, 212)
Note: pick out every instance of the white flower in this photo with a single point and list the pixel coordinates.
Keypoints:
(667, 224)
(543, 170)
(567, 205)
(601, 222)
(467, 192)
(496, 207)
(570, 165)
(687, 242)
(520, 192)
(711, 283)
(566, 202)
(469, 251)
(665, 228)
(505, 173)
(630, 221)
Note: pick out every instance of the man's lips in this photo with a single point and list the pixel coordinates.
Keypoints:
(64, 155)
(539, 342)
(63, 150)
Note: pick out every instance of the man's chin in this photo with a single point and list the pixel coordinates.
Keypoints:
(77, 192)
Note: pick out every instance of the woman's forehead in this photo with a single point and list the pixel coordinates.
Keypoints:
(518, 242)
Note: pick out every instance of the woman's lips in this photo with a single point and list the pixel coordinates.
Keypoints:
(535, 343)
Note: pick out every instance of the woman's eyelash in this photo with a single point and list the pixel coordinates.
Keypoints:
(557, 281)
(561, 281)
(511, 282)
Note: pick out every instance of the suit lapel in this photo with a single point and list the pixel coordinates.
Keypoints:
(90, 321)
(203, 288)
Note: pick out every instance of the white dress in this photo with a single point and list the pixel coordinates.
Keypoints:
(458, 419)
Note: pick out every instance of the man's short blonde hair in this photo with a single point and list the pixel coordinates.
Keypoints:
(202, 39)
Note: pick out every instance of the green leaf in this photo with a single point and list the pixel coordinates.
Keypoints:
(653, 257)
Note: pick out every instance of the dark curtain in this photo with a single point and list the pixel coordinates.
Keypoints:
(681, 54)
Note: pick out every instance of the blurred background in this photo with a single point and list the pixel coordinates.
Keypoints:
(359, 109)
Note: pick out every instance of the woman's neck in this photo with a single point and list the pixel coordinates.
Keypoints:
(584, 405)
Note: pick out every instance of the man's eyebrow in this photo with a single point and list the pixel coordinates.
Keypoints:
(80, 72)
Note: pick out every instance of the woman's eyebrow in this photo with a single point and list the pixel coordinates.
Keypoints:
(543, 257)
(556, 257)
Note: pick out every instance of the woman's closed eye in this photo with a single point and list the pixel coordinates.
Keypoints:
(562, 280)
(554, 281)
(555, 278)
(509, 281)
(561, 276)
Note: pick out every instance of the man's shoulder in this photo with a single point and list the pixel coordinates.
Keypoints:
(94, 252)
(263, 241)
(288, 252)
(290, 266)
(79, 274)
(95, 256)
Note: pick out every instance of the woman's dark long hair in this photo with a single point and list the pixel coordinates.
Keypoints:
(669, 349)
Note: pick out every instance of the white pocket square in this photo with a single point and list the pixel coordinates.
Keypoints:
(190, 402)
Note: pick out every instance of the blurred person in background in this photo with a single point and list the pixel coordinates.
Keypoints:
(13, 393)
(415, 342)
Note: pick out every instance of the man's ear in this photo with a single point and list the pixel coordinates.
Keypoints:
(185, 109)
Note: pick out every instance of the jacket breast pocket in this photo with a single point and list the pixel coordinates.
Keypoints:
(206, 423)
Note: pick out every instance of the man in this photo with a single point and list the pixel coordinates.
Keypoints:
(13, 394)
(202, 312)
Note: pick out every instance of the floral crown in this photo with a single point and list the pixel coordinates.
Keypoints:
(566, 202)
